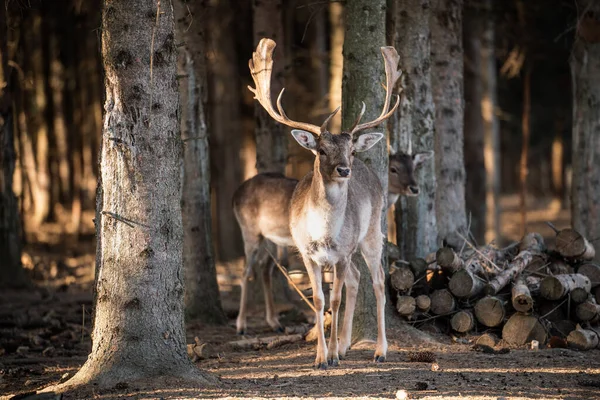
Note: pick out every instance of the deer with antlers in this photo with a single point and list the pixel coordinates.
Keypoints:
(335, 209)
(262, 208)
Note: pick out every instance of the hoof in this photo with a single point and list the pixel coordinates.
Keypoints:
(379, 359)
(279, 329)
(322, 366)
(333, 362)
(241, 332)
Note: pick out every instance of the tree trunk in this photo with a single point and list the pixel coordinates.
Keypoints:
(364, 71)
(138, 328)
(447, 84)
(336, 61)
(416, 228)
(526, 134)
(11, 272)
(271, 137)
(202, 299)
(226, 133)
(585, 71)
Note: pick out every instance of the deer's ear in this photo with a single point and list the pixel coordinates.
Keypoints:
(305, 139)
(420, 158)
(366, 141)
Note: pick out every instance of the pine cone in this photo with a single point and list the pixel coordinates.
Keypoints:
(421, 356)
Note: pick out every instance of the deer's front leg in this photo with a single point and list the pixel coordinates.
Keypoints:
(314, 273)
(335, 300)
(371, 251)
(352, 280)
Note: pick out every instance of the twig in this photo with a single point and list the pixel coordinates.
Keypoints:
(284, 272)
(479, 252)
(191, 19)
(118, 218)
(551, 225)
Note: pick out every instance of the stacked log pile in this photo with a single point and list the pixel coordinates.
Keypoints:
(522, 293)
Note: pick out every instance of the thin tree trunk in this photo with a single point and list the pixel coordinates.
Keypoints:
(226, 127)
(416, 225)
(271, 137)
(202, 299)
(139, 326)
(558, 160)
(489, 101)
(585, 71)
(336, 60)
(526, 134)
(447, 81)
(364, 69)
(11, 271)
(475, 184)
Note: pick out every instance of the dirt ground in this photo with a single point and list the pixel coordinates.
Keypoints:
(44, 338)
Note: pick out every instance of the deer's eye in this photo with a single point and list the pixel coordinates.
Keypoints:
(394, 170)
(322, 152)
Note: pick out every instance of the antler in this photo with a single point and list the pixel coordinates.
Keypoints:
(392, 73)
(261, 67)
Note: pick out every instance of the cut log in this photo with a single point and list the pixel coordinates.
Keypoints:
(465, 284)
(592, 271)
(423, 303)
(406, 305)
(283, 340)
(490, 311)
(447, 258)
(558, 286)
(559, 267)
(442, 302)
(419, 267)
(521, 329)
(538, 266)
(584, 339)
(402, 279)
(533, 284)
(463, 321)
(532, 244)
(487, 339)
(256, 343)
(521, 296)
(588, 310)
(393, 252)
(571, 244)
(597, 294)
(578, 295)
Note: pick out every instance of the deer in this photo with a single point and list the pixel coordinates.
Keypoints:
(261, 206)
(335, 209)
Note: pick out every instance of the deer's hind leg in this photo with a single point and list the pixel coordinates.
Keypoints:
(371, 248)
(252, 242)
(271, 315)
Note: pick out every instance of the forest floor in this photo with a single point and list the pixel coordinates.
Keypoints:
(44, 339)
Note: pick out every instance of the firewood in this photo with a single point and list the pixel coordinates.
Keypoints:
(521, 296)
(423, 302)
(539, 266)
(559, 267)
(442, 302)
(419, 267)
(466, 282)
(463, 321)
(571, 244)
(588, 310)
(490, 311)
(522, 328)
(558, 286)
(584, 339)
(393, 252)
(406, 305)
(578, 295)
(447, 258)
(592, 271)
(531, 244)
(256, 343)
(552, 310)
(533, 284)
(597, 294)
(562, 327)
(488, 339)
(402, 278)
(283, 340)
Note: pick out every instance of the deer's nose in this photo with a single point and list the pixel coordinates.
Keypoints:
(414, 189)
(343, 171)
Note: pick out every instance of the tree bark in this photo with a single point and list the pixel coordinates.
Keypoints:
(336, 61)
(416, 228)
(558, 286)
(526, 134)
(585, 71)
(227, 132)
(202, 299)
(271, 137)
(11, 271)
(364, 72)
(447, 81)
(138, 328)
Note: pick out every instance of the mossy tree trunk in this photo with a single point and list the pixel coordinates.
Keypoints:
(202, 299)
(139, 318)
(585, 71)
(416, 226)
(447, 83)
(363, 74)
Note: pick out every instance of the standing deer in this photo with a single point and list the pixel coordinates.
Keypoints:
(335, 209)
(262, 208)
